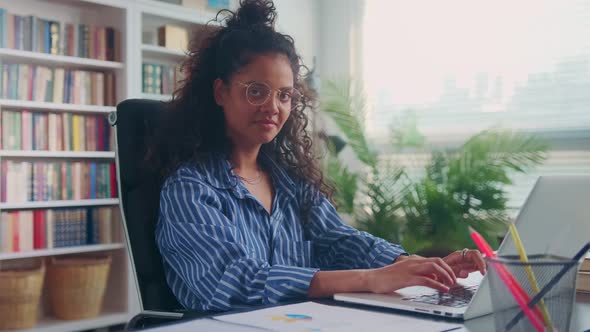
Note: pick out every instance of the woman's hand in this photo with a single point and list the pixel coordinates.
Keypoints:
(466, 261)
(411, 271)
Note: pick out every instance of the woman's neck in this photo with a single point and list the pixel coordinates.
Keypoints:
(245, 160)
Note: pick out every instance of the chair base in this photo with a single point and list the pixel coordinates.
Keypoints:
(147, 319)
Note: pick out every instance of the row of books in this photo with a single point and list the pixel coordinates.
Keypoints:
(58, 85)
(160, 79)
(27, 230)
(36, 34)
(24, 181)
(583, 284)
(25, 130)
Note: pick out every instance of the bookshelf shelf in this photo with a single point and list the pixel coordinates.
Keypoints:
(69, 61)
(61, 251)
(173, 12)
(39, 105)
(162, 53)
(155, 96)
(57, 154)
(48, 324)
(55, 204)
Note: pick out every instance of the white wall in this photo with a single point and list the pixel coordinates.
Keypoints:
(339, 56)
(299, 19)
(339, 28)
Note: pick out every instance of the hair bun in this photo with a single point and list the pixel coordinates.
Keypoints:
(253, 13)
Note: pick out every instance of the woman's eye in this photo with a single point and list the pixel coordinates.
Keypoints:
(257, 89)
(254, 92)
(285, 96)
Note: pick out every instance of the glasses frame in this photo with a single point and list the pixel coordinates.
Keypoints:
(271, 90)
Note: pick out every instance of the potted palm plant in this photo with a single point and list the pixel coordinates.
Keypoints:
(462, 187)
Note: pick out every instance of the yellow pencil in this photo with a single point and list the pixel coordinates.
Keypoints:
(529, 271)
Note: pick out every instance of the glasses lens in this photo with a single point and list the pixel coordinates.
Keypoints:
(257, 93)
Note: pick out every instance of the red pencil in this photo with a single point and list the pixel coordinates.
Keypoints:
(514, 287)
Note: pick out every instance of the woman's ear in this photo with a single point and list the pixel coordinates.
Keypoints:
(219, 91)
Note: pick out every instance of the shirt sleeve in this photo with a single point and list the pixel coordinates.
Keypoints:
(207, 266)
(340, 246)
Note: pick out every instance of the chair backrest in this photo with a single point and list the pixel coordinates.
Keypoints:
(135, 121)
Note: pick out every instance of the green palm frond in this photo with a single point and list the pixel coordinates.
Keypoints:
(344, 182)
(346, 107)
(466, 187)
(384, 190)
(506, 149)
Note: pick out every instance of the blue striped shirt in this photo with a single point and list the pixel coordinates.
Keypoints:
(222, 249)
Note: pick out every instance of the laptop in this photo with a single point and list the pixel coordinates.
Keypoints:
(555, 219)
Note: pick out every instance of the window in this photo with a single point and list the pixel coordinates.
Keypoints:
(462, 66)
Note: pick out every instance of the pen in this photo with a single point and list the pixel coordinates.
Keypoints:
(508, 279)
(530, 274)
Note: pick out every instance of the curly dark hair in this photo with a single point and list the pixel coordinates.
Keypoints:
(194, 125)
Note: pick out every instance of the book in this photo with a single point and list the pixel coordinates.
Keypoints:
(49, 221)
(173, 37)
(147, 78)
(110, 44)
(157, 77)
(54, 29)
(583, 284)
(3, 38)
(585, 265)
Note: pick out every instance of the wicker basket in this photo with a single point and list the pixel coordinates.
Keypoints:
(76, 286)
(20, 291)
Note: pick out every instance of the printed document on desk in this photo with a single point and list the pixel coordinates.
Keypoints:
(203, 324)
(310, 316)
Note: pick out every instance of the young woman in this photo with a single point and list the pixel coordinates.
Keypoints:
(244, 213)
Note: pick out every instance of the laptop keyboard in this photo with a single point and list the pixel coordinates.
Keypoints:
(457, 297)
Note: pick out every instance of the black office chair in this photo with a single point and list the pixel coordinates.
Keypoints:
(135, 121)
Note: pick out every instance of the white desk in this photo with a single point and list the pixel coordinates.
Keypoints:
(580, 320)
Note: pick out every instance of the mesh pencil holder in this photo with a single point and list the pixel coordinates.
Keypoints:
(76, 286)
(554, 276)
(20, 291)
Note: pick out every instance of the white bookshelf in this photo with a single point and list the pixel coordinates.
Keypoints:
(62, 60)
(172, 12)
(120, 299)
(47, 106)
(59, 204)
(154, 96)
(131, 18)
(58, 154)
(162, 53)
(47, 324)
(61, 251)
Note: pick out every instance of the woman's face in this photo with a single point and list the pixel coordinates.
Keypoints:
(257, 101)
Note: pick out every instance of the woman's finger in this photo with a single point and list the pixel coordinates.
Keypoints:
(429, 268)
(475, 257)
(440, 262)
(425, 281)
(454, 258)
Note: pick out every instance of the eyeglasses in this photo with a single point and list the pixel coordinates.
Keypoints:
(257, 93)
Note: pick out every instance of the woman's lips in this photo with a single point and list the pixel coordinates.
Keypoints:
(267, 123)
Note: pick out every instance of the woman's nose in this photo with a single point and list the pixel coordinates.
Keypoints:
(272, 103)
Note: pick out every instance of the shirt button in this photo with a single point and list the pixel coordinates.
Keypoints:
(260, 208)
